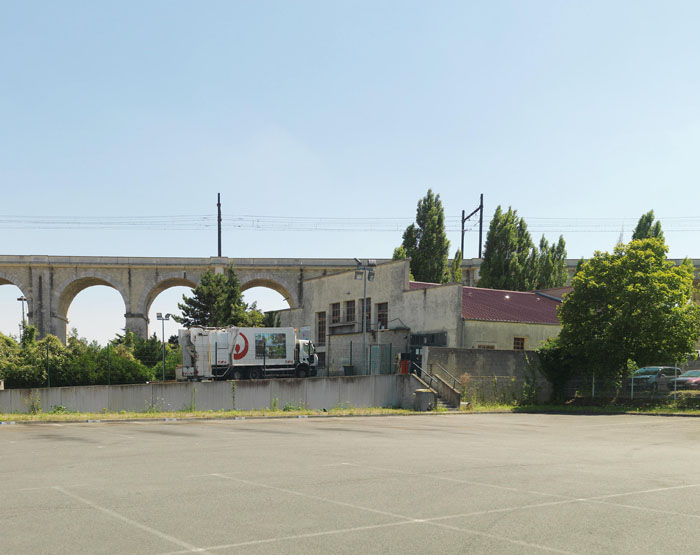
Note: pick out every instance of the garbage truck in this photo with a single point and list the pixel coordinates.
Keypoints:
(245, 353)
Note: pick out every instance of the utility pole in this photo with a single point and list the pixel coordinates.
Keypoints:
(480, 210)
(218, 205)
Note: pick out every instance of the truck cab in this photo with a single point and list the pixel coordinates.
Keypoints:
(307, 359)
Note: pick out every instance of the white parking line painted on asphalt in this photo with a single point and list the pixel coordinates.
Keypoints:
(457, 480)
(600, 499)
(406, 519)
(190, 548)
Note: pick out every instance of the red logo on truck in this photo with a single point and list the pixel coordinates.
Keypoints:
(238, 351)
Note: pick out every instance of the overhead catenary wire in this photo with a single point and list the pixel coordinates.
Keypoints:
(262, 223)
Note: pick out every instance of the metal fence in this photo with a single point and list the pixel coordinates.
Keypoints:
(631, 388)
(379, 359)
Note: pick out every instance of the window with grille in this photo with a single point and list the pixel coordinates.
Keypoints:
(335, 313)
(518, 343)
(485, 346)
(320, 328)
(383, 315)
(349, 311)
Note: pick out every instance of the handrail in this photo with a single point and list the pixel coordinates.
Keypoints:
(454, 380)
(424, 373)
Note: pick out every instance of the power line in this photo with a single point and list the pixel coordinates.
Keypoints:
(261, 223)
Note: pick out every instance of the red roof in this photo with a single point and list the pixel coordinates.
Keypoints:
(495, 305)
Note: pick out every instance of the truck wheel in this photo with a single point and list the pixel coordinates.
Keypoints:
(237, 375)
(254, 374)
(302, 372)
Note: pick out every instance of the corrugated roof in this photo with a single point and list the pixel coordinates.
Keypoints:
(496, 305)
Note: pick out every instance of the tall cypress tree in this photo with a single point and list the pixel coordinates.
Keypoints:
(511, 260)
(426, 243)
(647, 228)
(506, 252)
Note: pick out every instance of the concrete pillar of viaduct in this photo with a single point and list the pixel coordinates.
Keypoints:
(137, 323)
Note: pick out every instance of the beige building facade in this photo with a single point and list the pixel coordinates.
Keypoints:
(403, 316)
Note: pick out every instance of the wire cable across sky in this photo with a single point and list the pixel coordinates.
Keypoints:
(251, 222)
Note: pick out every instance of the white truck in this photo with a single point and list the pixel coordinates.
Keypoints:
(243, 353)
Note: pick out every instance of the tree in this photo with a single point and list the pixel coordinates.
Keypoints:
(456, 268)
(631, 305)
(426, 243)
(506, 252)
(218, 302)
(272, 319)
(647, 228)
(550, 265)
(511, 260)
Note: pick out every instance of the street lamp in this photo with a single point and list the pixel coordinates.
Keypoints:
(365, 272)
(162, 318)
(22, 299)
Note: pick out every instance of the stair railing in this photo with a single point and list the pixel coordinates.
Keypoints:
(455, 381)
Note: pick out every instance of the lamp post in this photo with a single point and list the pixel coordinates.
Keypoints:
(163, 319)
(365, 272)
(22, 299)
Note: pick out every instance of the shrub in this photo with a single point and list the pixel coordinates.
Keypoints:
(687, 400)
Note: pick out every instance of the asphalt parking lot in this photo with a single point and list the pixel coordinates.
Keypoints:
(488, 483)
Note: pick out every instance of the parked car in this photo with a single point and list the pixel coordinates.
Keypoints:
(650, 378)
(687, 380)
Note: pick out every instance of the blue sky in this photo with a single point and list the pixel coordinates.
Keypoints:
(580, 115)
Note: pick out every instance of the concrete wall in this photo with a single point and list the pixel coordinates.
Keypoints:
(492, 375)
(501, 334)
(311, 393)
(328, 393)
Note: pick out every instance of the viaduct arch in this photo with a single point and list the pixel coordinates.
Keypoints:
(50, 283)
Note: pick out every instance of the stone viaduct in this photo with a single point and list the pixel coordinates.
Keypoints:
(50, 283)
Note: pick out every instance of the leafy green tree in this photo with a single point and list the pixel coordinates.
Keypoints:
(24, 365)
(647, 228)
(271, 319)
(399, 253)
(631, 305)
(549, 265)
(426, 243)
(511, 260)
(149, 351)
(557, 364)
(508, 253)
(456, 268)
(218, 302)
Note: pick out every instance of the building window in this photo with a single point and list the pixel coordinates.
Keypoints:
(349, 311)
(320, 328)
(321, 360)
(335, 313)
(383, 315)
(368, 314)
(518, 343)
(485, 346)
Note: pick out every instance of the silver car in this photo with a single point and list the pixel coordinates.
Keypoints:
(650, 378)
